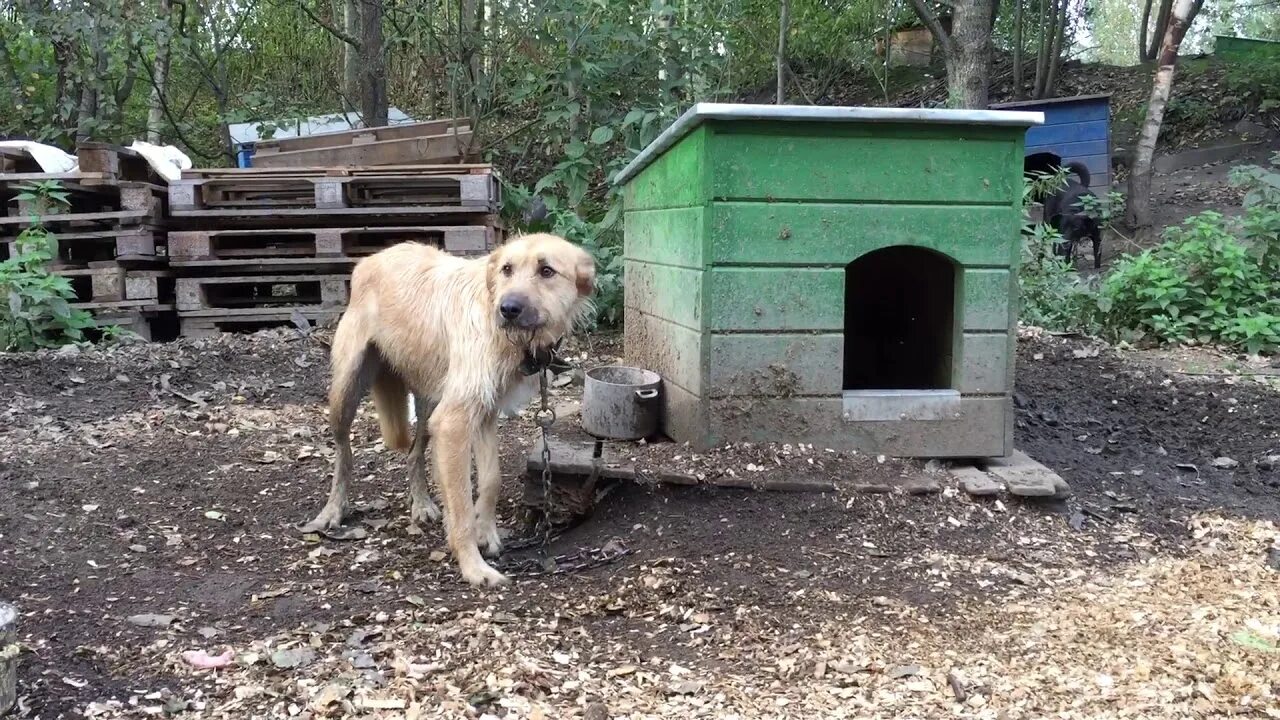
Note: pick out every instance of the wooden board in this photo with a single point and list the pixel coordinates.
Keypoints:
(110, 282)
(329, 171)
(433, 149)
(130, 246)
(478, 190)
(355, 136)
(340, 243)
(327, 214)
(210, 325)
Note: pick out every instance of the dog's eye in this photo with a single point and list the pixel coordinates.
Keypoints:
(506, 269)
(547, 271)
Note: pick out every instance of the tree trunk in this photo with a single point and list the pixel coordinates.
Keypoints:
(373, 75)
(160, 78)
(784, 25)
(351, 54)
(969, 61)
(1055, 52)
(1139, 200)
(967, 50)
(1048, 31)
(1160, 29)
(1017, 50)
(1142, 31)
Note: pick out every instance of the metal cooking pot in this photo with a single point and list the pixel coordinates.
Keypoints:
(621, 403)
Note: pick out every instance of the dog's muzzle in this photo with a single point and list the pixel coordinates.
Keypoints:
(516, 312)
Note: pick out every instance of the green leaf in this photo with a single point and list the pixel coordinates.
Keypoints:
(602, 135)
(575, 149)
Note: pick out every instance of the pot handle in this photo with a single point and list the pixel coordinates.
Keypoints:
(646, 395)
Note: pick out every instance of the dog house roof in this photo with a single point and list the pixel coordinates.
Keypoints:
(701, 112)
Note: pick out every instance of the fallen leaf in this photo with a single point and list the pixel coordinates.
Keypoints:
(204, 661)
(151, 620)
(297, 657)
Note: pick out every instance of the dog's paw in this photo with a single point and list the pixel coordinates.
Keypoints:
(422, 513)
(489, 538)
(482, 575)
(330, 518)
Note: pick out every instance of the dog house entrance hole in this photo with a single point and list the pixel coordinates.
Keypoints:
(899, 309)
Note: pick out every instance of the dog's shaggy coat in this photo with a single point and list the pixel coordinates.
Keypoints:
(453, 332)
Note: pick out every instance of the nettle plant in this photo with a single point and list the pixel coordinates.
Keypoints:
(37, 309)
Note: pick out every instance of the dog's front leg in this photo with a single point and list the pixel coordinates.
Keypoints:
(452, 427)
(488, 485)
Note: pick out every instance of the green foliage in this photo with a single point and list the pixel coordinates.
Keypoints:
(1254, 80)
(37, 312)
(1053, 295)
(1202, 285)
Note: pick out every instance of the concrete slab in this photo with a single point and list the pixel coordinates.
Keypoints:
(978, 483)
(1025, 477)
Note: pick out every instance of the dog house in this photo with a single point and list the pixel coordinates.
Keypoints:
(1075, 129)
(828, 275)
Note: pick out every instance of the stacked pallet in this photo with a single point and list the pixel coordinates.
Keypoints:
(110, 238)
(262, 247)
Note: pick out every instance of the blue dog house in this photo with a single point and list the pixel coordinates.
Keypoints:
(1075, 129)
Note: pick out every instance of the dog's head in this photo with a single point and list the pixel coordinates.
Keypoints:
(541, 286)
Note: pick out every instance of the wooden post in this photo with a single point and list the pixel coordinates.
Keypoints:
(8, 657)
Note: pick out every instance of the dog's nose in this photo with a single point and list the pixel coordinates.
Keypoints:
(510, 308)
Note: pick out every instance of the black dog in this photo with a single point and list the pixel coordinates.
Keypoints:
(1066, 214)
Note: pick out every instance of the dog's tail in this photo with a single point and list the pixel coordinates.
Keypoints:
(391, 400)
(1081, 172)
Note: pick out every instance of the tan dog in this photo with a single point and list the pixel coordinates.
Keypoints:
(456, 333)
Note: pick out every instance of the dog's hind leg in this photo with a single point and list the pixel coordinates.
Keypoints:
(422, 508)
(1097, 249)
(488, 485)
(355, 363)
(391, 400)
(453, 425)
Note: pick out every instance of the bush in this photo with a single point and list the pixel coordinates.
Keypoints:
(1202, 285)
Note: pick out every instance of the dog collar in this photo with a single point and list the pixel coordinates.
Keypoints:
(537, 360)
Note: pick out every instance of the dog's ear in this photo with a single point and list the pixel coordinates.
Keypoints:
(584, 272)
(491, 269)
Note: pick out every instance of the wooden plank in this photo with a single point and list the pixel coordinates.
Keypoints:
(673, 351)
(830, 162)
(387, 152)
(264, 313)
(977, 432)
(121, 216)
(304, 171)
(676, 179)
(672, 236)
(987, 295)
(836, 234)
(318, 243)
(44, 177)
(984, 363)
(406, 211)
(1078, 132)
(671, 293)
(333, 192)
(785, 299)
(342, 138)
(1065, 150)
(781, 365)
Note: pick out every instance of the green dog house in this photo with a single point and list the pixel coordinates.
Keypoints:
(829, 275)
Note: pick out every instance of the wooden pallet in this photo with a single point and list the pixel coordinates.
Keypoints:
(325, 192)
(85, 195)
(132, 247)
(84, 221)
(211, 325)
(109, 282)
(198, 247)
(115, 162)
(248, 295)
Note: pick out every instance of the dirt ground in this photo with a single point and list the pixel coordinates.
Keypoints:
(148, 493)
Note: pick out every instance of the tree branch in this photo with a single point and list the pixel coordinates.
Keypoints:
(302, 5)
(931, 21)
